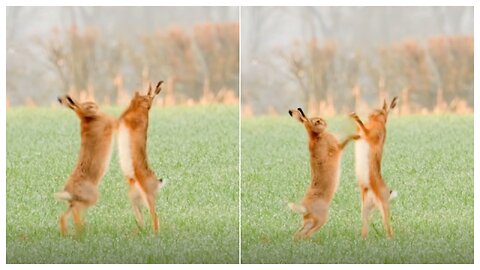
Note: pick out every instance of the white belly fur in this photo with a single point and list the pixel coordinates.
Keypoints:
(124, 151)
(362, 151)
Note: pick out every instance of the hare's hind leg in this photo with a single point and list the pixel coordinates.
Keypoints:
(320, 216)
(367, 206)
(64, 221)
(144, 192)
(308, 223)
(136, 198)
(78, 210)
(149, 187)
(382, 202)
(153, 213)
(385, 210)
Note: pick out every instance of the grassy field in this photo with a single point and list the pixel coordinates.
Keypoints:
(427, 159)
(194, 148)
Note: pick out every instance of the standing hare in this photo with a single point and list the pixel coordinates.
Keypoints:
(368, 161)
(325, 158)
(132, 149)
(81, 189)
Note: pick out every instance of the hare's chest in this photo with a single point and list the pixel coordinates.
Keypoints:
(362, 162)
(125, 150)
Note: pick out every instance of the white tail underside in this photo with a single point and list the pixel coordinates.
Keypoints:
(63, 196)
(297, 208)
(393, 195)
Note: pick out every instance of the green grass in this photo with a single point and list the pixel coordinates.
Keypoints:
(427, 159)
(194, 148)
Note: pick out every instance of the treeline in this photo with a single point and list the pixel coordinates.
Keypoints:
(199, 65)
(433, 75)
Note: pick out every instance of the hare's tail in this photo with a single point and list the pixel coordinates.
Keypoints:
(393, 194)
(63, 196)
(297, 208)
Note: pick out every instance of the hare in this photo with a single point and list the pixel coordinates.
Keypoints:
(81, 188)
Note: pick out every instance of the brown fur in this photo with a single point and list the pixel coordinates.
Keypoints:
(135, 118)
(325, 153)
(375, 193)
(81, 189)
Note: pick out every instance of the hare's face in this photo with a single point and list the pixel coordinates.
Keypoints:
(89, 108)
(82, 109)
(145, 101)
(315, 124)
(378, 115)
(318, 124)
(142, 101)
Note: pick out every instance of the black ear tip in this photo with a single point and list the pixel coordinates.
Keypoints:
(70, 99)
(290, 112)
(301, 111)
(159, 83)
(59, 100)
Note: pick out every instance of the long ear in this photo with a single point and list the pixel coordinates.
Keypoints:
(305, 121)
(158, 89)
(394, 103)
(301, 111)
(298, 114)
(149, 93)
(69, 102)
(385, 108)
(303, 117)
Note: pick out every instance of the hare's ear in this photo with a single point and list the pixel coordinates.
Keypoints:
(301, 111)
(385, 108)
(298, 114)
(72, 103)
(149, 93)
(69, 102)
(158, 88)
(393, 103)
(61, 100)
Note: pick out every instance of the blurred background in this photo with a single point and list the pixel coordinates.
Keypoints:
(106, 53)
(335, 59)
